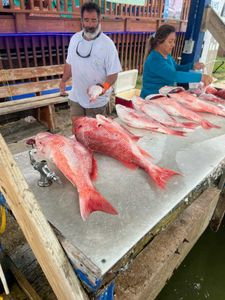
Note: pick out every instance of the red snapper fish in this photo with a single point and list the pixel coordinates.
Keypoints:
(108, 137)
(196, 104)
(174, 108)
(159, 114)
(78, 165)
(138, 119)
(212, 98)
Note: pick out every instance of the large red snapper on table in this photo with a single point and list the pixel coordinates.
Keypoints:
(78, 166)
(138, 119)
(108, 137)
(174, 108)
(195, 104)
(159, 114)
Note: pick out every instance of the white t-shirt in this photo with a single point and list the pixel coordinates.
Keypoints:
(102, 61)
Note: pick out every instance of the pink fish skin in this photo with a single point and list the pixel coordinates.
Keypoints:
(212, 98)
(159, 114)
(105, 136)
(174, 108)
(195, 104)
(76, 163)
(138, 119)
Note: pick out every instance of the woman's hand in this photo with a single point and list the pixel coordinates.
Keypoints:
(206, 79)
(199, 66)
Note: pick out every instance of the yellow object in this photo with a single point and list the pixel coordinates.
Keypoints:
(3, 221)
(1, 298)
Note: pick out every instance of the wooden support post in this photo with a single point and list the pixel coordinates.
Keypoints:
(215, 25)
(220, 207)
(20, 22)
(37, 230)
(45, 115)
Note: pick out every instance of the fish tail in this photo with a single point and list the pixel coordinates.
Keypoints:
(91, 201)
(207, 125)
(161, 175)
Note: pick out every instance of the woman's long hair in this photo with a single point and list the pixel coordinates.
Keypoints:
(158, 38)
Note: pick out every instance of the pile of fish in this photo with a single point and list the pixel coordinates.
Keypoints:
(160, 114)
(74, 156)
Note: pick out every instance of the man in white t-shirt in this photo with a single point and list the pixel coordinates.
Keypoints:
(93, 63)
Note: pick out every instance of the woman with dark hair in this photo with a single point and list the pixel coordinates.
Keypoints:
(160, 68)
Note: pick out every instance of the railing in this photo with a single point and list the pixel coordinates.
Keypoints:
(68, 8)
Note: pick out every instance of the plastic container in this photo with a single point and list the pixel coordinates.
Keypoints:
(124, 87)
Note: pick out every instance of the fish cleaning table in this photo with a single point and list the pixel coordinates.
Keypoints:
(99, 243)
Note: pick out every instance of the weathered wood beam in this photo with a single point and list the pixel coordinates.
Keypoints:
(215, 25)
(36, 229)
(109, 24)
(219, 212)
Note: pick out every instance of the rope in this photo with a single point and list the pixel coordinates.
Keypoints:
(3, 219)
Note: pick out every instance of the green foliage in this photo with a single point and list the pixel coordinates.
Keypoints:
(219, 68)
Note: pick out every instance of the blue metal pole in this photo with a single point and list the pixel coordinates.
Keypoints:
(193, 33)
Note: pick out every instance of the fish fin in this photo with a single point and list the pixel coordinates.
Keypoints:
(94, 171)
(114, 125)
(190, 125)
(134, 137)
(207, 125)
(129, 165)
(160, 175)
(176, 132)
(91, 201)
(145, 153)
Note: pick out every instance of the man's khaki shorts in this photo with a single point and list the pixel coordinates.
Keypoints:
(77, 110)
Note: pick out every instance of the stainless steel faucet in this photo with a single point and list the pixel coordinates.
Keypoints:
(46, 175)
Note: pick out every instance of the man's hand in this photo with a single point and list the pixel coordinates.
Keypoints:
(199, 66)
(206, 79)
(62, 88)
(94, 91)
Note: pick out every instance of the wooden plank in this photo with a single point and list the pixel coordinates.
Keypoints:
(34, 52)
(18, 53)
(215, 25)
(22, 281)
(50, 49)
(220, 208)
(135, 47)
(32, 105)
(43, 52)
(25, 88)
(57, 49)
(27, 73)
(25, 43)
(26, 100)
(36, 229)
(8, 52)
